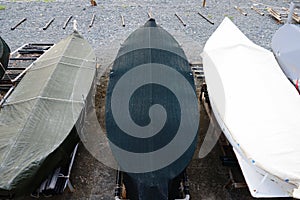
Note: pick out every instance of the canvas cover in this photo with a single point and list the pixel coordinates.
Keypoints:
(38, 117)
(162, 72)
(285, 45)
(4, 56)
(255, 105)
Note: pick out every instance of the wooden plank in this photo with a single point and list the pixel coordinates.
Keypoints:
(275, 14)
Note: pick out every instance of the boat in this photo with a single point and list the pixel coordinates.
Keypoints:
(152, 115)
(38, 120)
(287, 51)
(256, 108)
(4, 57)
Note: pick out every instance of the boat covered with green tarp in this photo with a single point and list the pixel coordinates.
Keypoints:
(37, 122)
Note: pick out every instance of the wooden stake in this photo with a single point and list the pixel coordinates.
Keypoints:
(296, 17)
(257, 10)
(48, 24)
(149, 14)
(181, 20)
(67, 21)
(123, 21)
(206, 18)
(92, 21)
(18, 24)
(240, 10)
(203, 3)
(275, 14)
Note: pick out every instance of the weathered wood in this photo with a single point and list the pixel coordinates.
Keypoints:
(123, 20)
(240, 10)
(18, 24)
(206, 18)
(48, 24)
(257, 11)
(67, 21)
(92, 21)
(180, 19)
(275, 14)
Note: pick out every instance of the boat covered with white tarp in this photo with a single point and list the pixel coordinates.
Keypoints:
(257, 109)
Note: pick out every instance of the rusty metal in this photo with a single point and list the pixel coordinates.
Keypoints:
(123, 20)
(67, 21)
(18, 24)
(275, 14)
(206, 18)
(48, 24)
(180, 19)
(92, 21)
(240, 10)
(257, 11)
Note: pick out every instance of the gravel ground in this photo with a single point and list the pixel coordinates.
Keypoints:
(90, 178)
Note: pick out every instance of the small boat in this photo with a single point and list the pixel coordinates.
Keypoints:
(37, 121)
(256, 108)
(285, 45)
(152, 115)
(4, 57)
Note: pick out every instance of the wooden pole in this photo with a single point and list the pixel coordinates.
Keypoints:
(67, 21)
(123, 20)
(180, 19)
(150, 14)
(92, 21)
(206, 18)
(18, 24)
(240, 10)
(48, 24)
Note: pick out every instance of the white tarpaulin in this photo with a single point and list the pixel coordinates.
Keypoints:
(257, 109)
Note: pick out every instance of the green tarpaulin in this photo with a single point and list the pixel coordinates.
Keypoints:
(37, 119)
